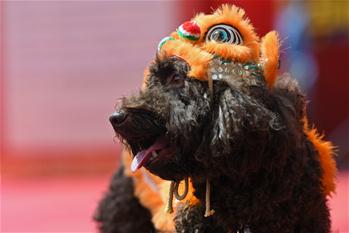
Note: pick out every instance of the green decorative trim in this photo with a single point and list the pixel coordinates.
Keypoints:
(189, 37)
(163, 41)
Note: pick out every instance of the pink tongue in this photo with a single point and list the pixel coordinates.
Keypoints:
(144, 155)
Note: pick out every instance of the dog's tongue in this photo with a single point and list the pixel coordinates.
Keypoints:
(144, 155)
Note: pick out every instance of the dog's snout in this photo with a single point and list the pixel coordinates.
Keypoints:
(118, 117)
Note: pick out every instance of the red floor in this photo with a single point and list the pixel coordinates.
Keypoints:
(67, 204)
(50, 205)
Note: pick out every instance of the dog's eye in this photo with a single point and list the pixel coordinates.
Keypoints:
(224, 34)
(174, 80)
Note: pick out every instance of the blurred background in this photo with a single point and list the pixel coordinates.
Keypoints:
(64, 64)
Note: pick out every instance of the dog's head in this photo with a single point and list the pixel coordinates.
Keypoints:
(164, 124)
(202, 113)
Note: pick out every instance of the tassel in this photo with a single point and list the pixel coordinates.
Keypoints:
(208, 211)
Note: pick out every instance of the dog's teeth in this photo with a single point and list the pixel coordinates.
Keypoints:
(154, 154)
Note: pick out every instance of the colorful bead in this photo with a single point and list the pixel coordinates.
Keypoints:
(189, 30)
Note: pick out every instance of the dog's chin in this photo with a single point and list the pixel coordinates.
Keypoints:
(167, 168)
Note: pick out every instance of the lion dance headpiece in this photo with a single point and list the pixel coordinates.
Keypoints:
(225, 38)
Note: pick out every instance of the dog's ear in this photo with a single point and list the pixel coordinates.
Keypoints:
(237, 114)
(290, 103)
(289, 97)
(244, 118)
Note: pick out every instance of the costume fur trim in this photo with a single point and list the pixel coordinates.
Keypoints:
(326, 152)
(197, 59)
(270, 56)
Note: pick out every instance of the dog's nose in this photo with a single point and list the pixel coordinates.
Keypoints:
(118, 117)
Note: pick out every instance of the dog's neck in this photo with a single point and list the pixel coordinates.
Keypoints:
(237, 199)
(230, 190)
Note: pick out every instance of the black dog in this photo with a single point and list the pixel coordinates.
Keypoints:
(246, 139)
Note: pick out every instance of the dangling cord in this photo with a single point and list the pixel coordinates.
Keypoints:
(210, 84)
(208, 211)
(174, 186)
(169, 207)
(185, 192)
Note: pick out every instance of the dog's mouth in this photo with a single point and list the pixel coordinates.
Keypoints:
(159, 150)
(147, 137)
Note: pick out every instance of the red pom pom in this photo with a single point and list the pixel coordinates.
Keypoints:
(191, 27)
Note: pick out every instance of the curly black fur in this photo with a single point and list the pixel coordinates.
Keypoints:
(120, 211)
(190, 219)
(246, 139)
